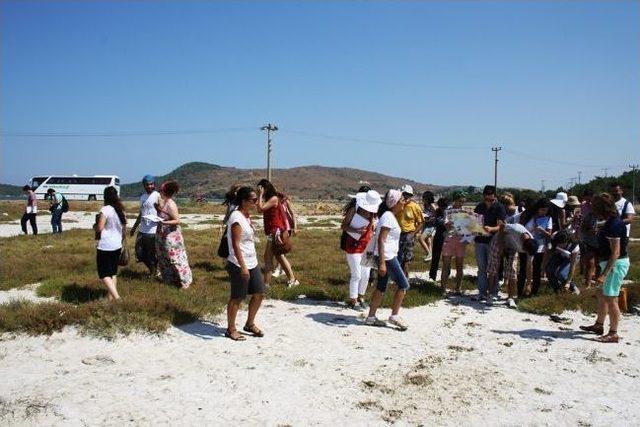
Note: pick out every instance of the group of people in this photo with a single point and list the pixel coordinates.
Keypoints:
(515, 245)
(57, 206)
(518, 244)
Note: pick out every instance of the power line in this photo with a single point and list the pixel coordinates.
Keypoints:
(380, 142)
(99, 134)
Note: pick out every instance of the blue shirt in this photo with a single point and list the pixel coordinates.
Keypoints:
(614, 228)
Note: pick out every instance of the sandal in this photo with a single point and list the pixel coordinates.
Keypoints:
(253, 329)
(609, 338)
(596, 328)
(235, 335)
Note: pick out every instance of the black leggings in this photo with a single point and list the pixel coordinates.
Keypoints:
(436, 251)
(31, 217)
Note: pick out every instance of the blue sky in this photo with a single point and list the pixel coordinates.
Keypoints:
(556, 84)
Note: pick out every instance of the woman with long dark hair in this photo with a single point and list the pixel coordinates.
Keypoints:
(438, 238)
(110, 227)
(272, 205)
(242, 265)
(172, 254)
(540, 225)
(358, 224)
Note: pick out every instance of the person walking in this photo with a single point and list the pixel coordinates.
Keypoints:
(57, 208)
(30, 211)
(146, 238)
(386, 243)
(173, 262)
(455, 245)
(425, 239)
(410, 219)
(614, 265)
(493, 214)
(110, 229)
(357, 226)
(275, 227)
(439, 236)
(242, 265)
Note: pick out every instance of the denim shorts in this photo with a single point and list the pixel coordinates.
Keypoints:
(395, 273)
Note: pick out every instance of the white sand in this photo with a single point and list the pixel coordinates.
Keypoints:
(85, 220)
(459, 364)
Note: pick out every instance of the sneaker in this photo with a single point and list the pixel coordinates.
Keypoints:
(293, 283)
(511, 303)
(374, 321)
(427, 258)
(363, 304)
(355, 306)
(277, 272)
(398, 322)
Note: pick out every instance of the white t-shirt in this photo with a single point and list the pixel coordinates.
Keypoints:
(247, 245)
(392, 244)
(629, 211)
(111, 235)
(358, 221)
(147, 202)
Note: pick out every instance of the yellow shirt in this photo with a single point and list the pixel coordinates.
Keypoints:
(410, 217)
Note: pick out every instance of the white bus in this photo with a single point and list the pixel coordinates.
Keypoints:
(75, 187)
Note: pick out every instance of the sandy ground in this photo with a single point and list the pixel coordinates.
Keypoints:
(85, 220)
(460, 363)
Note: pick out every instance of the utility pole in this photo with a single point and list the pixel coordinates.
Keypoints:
(542, 186)
(605, 171)
(633, 167)
(579, 175)
(495, 168)
(269, 128)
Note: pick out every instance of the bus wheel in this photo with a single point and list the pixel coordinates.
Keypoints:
(92, 197)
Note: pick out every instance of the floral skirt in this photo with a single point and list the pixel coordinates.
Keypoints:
(173, 263)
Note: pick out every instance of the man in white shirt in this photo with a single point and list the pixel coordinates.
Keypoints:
(625, 207)
(146, 239)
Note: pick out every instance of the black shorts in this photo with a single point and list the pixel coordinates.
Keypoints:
(107, 262)
(240, 288)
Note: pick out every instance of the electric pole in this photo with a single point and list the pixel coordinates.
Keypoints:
(605, 171)
(633, 167)
(495, 167)
(269, 128)
(579, 175)
(542, 186)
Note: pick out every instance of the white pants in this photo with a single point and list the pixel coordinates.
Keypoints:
(359, 276)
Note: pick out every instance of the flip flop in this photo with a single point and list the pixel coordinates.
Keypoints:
(236, 336)
(253, 329)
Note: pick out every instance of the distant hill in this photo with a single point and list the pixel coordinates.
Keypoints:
(7, 190)
(307, 182)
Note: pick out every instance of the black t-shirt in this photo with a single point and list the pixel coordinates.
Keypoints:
(492, 214)
(614, 228)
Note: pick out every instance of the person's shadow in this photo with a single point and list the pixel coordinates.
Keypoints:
(203, 329)
(333, 319)
(549, 336)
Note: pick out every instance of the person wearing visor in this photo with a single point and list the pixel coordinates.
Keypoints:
(146, 239)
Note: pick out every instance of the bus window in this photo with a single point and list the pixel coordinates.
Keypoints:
(117, 181)
(38, 181)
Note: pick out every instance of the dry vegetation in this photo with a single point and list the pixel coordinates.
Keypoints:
(64, 265)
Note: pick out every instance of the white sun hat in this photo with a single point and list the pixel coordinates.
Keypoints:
(369, 201)
(560, 200)
(407, 189)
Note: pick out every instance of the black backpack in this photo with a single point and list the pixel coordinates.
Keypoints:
(65, 204)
